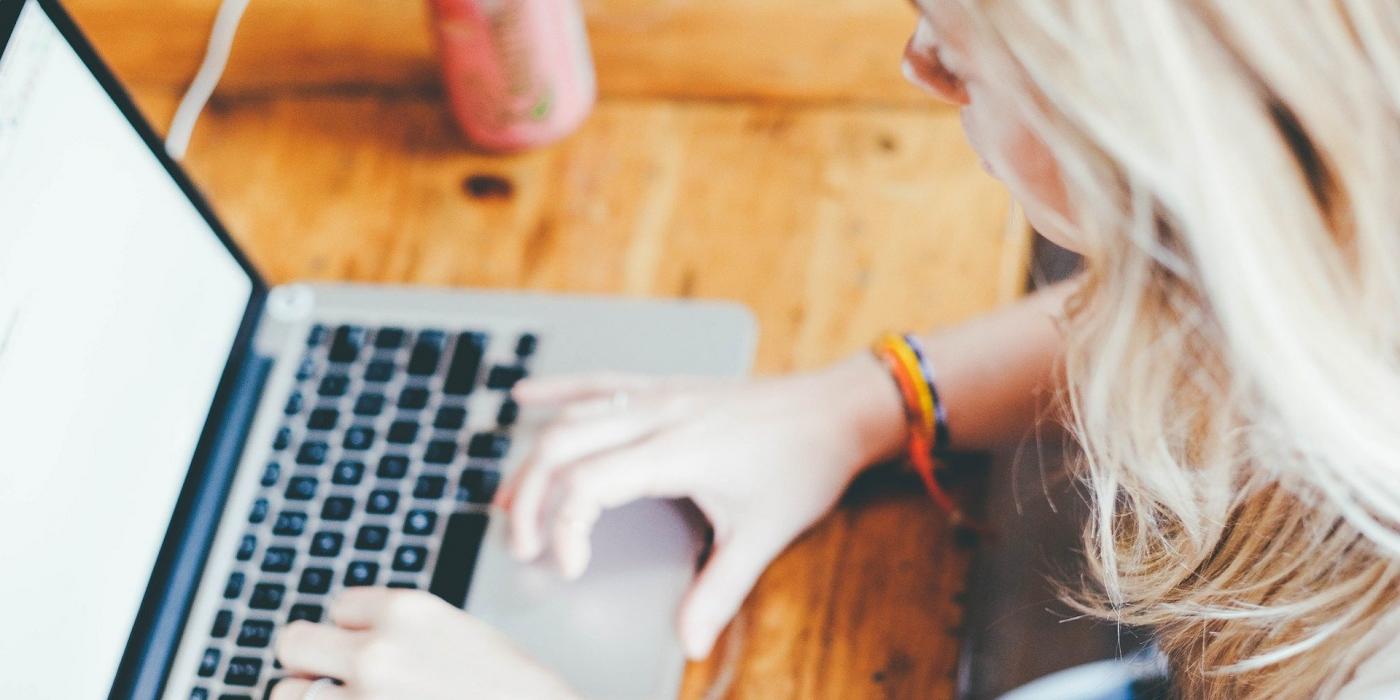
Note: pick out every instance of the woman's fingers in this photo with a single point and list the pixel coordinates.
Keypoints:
(563, 443)
(297, 688)
(557, 391)
(360, 607)
(587, 488)
(311, 649)
(721, 588)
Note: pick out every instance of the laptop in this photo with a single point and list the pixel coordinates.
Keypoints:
(189, 458)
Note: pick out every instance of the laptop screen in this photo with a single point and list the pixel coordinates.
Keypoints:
(118, 309)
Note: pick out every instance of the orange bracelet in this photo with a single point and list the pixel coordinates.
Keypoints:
(905, 369)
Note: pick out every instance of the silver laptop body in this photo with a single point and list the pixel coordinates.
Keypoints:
(355, 436)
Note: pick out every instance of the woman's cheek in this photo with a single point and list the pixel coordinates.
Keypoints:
(1012, 153)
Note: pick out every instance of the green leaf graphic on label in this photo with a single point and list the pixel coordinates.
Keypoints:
(541, 108)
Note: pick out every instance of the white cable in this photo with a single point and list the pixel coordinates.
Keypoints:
(177, 141)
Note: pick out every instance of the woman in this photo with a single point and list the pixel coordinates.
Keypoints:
(1229, 361)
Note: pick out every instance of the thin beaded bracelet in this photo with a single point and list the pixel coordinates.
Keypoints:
(940, 413)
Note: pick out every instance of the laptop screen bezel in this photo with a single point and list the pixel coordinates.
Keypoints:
(175, 575)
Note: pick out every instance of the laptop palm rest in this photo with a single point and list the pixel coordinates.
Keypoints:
(621, 610)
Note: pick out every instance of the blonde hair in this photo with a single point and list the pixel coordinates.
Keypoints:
(1233, 172)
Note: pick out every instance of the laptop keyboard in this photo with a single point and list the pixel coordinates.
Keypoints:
(380, 474)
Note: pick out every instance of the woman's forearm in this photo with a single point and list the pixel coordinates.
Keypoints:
(996, 375)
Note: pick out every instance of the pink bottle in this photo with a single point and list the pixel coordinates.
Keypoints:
(518, 73)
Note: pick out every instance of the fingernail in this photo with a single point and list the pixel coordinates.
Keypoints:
(578, 563)
(520, 548)
(696, 650)
(696, 644)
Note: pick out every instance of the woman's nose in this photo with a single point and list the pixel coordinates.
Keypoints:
(923, 68)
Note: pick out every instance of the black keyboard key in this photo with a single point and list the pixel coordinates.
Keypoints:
(346, 344)
(307, 369)
(267, 596)
(424, 359)
(461, 542)
(510, 411)
(290, 523)
(382, 502)
(372, 538)
(410, 557)
(488, 445)
(243, 671)
(465, 365)
(413, 398)
(315, 580)
(209, 663)
(359, 438)
(305, 611)
(419, 522)
(403, 432)
(334, 385)
(255, 633)
(389, 339)
(294, 404)
(379, 371)
(301, 488)
(337, 508)
(504, 377)
(403, 584)
(278, 560)
(326, 544)
(312, 453)
(392, 467)
(259, 511)
(478, 485)
(198, 693)
(316, 336)
(223, 622)
(433, 336)
(361, 573)
(440, 452)
(369, 405)
(271, 473)
(323, 419)
(234, 587)
(283, 439)
(246, 548)
(450, 418)
(233, 696)
(430, 486)
(526, 345)
(348, 472)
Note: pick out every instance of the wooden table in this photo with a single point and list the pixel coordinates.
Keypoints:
(765, 151)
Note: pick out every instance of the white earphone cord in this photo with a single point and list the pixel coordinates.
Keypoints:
(177, 141)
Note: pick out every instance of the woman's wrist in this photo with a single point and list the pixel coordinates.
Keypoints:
(872, 412)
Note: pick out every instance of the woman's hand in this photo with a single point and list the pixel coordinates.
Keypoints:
(390, 644)
(763, 460)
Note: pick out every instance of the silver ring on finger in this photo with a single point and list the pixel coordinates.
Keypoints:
(316, 687)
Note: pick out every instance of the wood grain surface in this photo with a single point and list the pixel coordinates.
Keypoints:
(756, 150)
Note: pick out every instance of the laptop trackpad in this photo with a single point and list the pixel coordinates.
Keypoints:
(611, 633)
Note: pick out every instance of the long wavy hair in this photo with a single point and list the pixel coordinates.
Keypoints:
(1233, 172)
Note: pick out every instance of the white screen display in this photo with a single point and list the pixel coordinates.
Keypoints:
(118, 310)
